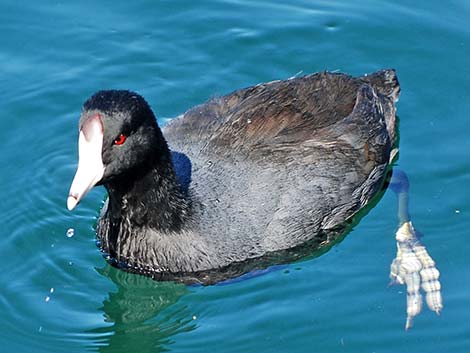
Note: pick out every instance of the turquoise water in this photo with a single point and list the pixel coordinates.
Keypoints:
(58, 294)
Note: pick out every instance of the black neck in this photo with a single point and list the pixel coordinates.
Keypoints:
(149, 195)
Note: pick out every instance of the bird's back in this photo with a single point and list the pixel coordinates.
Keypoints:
(278, 165)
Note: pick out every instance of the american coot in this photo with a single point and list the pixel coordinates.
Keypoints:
(261, 176)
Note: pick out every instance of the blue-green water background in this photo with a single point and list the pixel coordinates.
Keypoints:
(57, 293)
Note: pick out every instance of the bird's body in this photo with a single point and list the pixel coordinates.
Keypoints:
(261, 176)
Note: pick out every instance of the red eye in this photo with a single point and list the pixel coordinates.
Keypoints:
(120, 140)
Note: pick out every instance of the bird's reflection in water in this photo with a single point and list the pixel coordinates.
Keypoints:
(142, 314)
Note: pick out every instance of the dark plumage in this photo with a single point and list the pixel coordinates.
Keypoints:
(263, 175)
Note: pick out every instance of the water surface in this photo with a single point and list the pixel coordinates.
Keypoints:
(59, 295)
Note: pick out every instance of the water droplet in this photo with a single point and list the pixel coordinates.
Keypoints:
(70, 263)
(194, 317)
(331, 26)
(457, 211)
(40, 328)
(70, 233)
(47, 299)
(51, 290)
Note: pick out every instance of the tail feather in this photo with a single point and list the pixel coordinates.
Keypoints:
(384, 82)
(386, 85)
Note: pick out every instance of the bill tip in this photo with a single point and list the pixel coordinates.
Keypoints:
(71, 202)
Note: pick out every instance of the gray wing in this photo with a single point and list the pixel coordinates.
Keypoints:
(287, 159)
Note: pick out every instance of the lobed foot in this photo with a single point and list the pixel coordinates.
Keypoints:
(415, 268)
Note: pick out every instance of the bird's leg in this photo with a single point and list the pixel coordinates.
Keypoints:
(413, 266)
